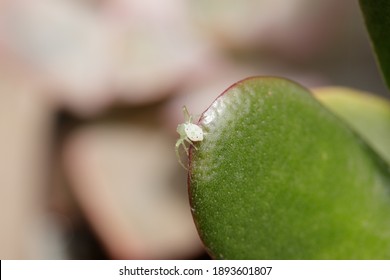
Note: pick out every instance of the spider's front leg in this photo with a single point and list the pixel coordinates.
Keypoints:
(187, 116)
(179, 143)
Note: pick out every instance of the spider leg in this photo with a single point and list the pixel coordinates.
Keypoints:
(185, 148)
(179, 143)
(191, 143)
(187, 116)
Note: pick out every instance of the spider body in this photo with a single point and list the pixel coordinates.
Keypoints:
(189, 133)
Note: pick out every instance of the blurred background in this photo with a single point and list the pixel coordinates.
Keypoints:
(91, 92)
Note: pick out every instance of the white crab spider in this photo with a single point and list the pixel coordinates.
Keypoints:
(189, 132)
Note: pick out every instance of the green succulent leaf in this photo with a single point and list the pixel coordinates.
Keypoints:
(377, 17)
(278, 176)
(367, 114)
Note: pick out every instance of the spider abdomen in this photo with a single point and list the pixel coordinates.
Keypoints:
(193, 132)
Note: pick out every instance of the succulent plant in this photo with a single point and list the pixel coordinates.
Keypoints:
(286, 174)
